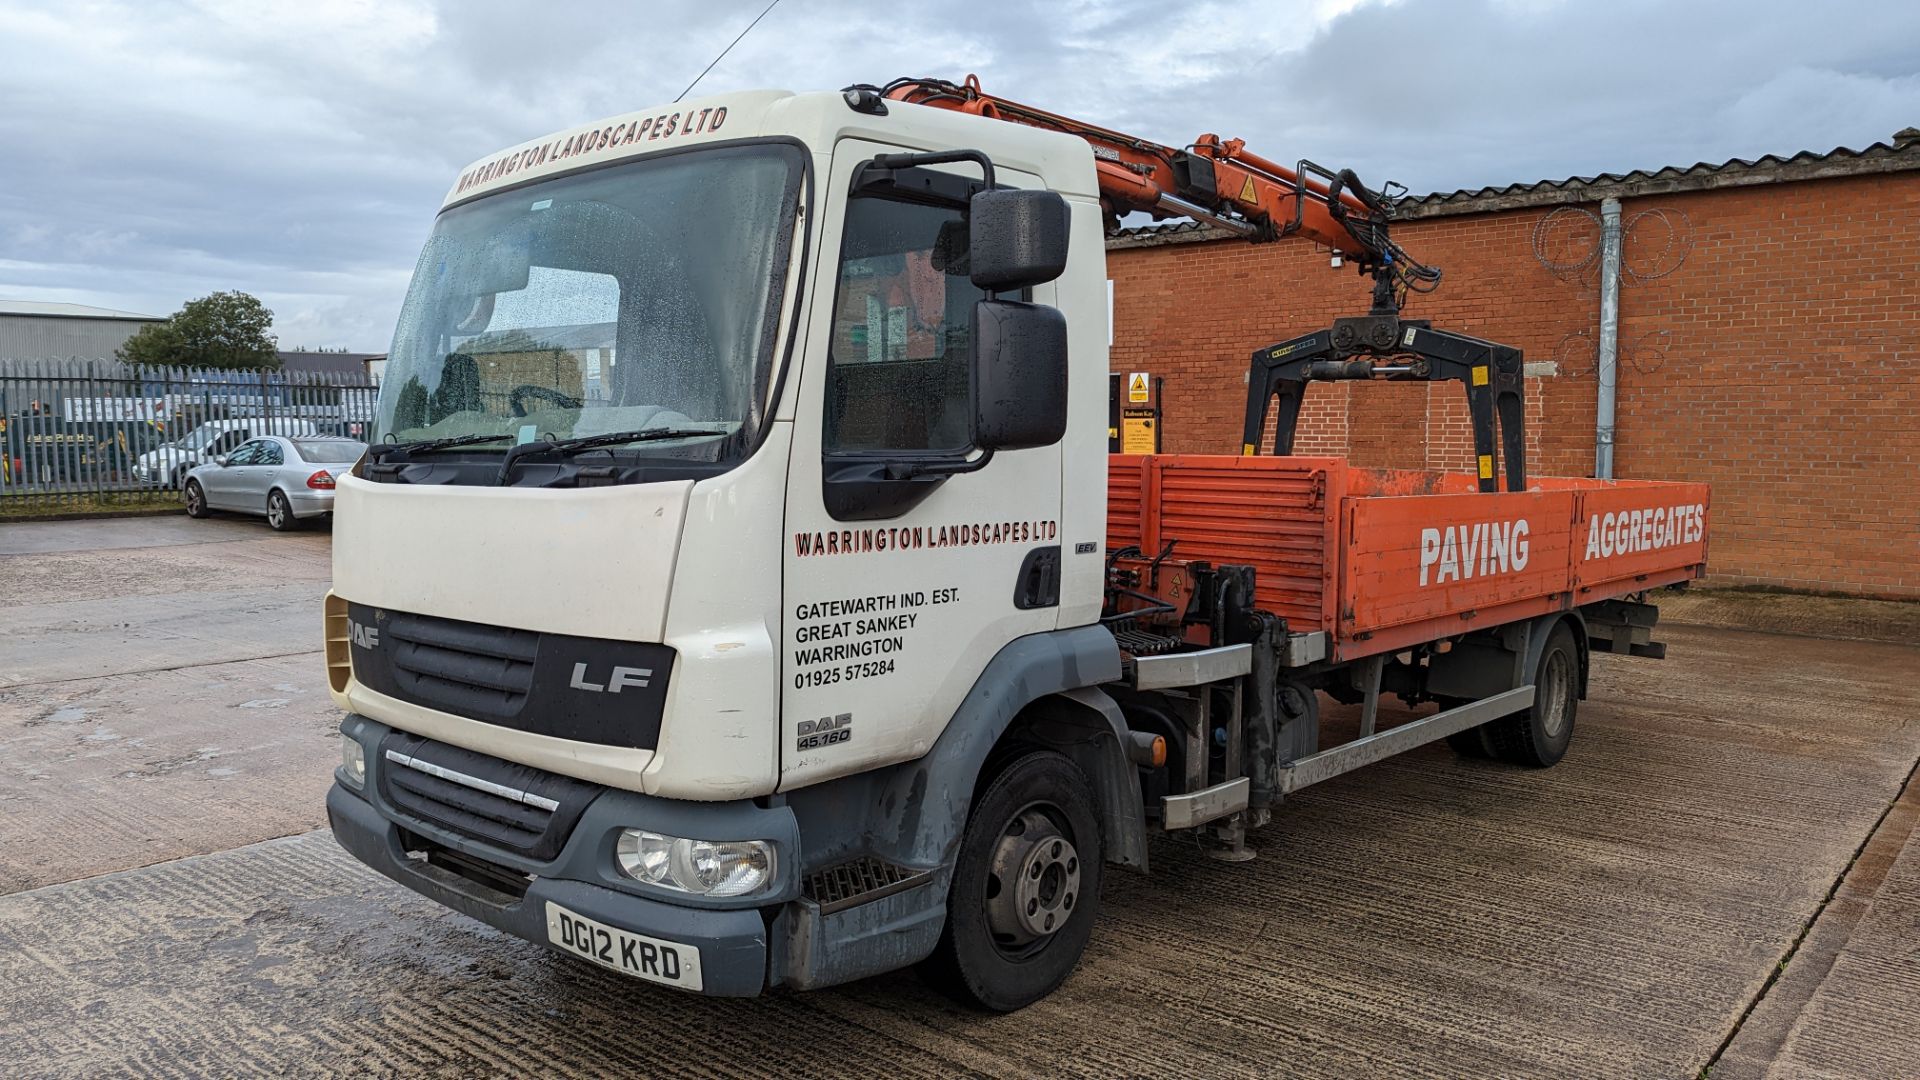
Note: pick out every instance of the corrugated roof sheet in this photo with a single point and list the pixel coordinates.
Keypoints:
(1901, 154)
(55, 309)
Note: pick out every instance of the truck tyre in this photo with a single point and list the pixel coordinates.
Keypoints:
(1539, 736)
(1025, 887)
(1471, 743)
(196, 500)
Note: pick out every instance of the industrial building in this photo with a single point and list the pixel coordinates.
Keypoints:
(343, 365)
(46, 330)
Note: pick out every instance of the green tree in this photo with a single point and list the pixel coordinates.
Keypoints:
(224, 330)
(410, 411)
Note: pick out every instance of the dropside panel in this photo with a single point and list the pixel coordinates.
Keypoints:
(1125, 517)
(1275, 514)
(1631, 535)
(1450, 563)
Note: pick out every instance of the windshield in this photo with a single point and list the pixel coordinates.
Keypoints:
(329, 451)
(199, 437)
(627, 298)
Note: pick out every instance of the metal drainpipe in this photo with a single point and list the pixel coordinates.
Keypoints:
(1607, 364)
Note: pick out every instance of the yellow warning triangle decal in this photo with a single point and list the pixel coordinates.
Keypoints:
(1137, 383)
(1247, 193)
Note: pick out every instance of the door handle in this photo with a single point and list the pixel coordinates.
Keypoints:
(1038, 585)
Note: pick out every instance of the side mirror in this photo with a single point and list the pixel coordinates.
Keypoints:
(1019, 374)
(1016, 239)
(220, 460)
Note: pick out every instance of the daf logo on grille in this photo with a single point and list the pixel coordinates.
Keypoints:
(367, 637)
(618, 679)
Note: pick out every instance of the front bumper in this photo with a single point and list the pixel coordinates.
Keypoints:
(732, 944)
(571, 865)
(163, 470)
(784, 937)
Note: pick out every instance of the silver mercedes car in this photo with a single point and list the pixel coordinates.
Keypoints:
(286, 479)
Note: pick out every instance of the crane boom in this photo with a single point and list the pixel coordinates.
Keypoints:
(1217, 181)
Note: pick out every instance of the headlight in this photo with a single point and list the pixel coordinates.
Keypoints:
(699, 867)
(353, 760)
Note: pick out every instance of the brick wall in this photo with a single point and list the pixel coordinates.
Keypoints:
(1780, 362)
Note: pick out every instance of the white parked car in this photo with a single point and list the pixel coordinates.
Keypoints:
(285, 480)
(170, 463)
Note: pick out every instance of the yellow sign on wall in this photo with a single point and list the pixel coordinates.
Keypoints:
(1140, 432)
(1137, 388)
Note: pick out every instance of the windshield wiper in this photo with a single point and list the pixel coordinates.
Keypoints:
(569, 447)
(616, 438)
(380, 450)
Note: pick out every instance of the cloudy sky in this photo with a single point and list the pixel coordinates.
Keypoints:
(155, 151)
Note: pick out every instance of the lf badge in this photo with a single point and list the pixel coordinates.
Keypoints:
(826, 731)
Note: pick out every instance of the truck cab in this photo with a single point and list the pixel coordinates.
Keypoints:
(738, 477)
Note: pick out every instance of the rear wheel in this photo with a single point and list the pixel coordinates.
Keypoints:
(1025, 887)
(280, 512)
(1540, 735)
(196, 500)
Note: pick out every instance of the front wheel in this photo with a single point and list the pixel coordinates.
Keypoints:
(280, 512)
(1025, 887)
(196, 501)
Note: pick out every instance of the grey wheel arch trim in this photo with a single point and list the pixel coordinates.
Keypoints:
(1089, 728)
(913, 814)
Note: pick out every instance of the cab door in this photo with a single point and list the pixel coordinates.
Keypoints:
(898, 593)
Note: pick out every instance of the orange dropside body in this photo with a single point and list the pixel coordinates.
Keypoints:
(1382, 559)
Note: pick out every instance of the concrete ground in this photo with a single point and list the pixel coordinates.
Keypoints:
(1721, 874)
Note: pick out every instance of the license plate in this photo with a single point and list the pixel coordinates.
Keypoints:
(643, 957)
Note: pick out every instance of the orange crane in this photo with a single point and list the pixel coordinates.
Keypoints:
(1217, 181)
(1220, 182)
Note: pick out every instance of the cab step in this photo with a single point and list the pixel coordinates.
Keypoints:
(860, 881)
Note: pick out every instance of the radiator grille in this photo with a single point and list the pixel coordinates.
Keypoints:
(512, 807)
(596, 690)
(460, 667)
(479, 814)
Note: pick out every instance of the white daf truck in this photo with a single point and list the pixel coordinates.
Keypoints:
(727, 598)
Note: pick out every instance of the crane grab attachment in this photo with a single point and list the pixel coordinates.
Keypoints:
(1218, 181)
